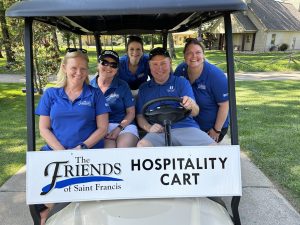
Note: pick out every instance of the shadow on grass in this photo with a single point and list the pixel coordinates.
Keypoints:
(13, 128)
(269, 128)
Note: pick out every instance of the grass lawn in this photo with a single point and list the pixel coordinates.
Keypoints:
(269, 128)
(244, 62)
(13, 140)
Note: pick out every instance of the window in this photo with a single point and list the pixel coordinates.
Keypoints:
(273, 39)
(248, 38)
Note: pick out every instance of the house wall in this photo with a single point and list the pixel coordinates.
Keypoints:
(296, 3)
(179, 38)
(261, 36)
(284, 37)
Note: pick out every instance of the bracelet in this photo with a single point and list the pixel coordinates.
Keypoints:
(121, 127)
(217, 131)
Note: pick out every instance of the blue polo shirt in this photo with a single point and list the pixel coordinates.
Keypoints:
(141, 75)
(209, 90)
(72, 122)
(173, 87)
(119, 98)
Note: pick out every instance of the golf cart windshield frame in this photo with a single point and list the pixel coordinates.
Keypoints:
(106, 17)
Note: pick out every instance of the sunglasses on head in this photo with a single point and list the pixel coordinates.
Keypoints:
(188, 40)
(76, 49)
(158, 51)
(110, 64)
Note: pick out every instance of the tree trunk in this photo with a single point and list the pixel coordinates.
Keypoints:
(1, 56)
(10, 58)
(152, 41)
(171, 46)
(125, 40)
(74, 41)
(55, 40)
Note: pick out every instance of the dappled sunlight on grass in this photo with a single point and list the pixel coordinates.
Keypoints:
(12, 130)
(269, 129)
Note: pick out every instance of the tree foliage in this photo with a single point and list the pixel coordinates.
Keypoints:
(45, 47)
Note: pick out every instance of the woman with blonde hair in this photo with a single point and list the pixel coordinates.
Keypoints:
(73, 115)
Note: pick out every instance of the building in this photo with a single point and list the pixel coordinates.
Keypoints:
(266, 25)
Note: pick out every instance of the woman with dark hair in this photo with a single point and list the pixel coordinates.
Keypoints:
(134, 66)
(209, 85)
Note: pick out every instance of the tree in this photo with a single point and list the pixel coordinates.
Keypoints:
(10, 58)
(171, 46)
(46, 54)
(55, 39)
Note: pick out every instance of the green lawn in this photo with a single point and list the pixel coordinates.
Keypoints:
(268, 119)
(244, 62)
(269, 130)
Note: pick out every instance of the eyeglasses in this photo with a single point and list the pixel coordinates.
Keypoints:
(110, 64)
(76, 49)
(158, 51)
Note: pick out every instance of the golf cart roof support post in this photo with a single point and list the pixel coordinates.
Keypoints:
(98, 44)
(232, 102)
(165, 39)
(231, 79)
(29, 85)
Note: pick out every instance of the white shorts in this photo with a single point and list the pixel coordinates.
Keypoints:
(132, 129)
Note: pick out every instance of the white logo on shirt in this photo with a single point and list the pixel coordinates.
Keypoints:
(87, 103)
(201, 86)
(171, 89)
(140, 75)
(112, 97)
(225, 95)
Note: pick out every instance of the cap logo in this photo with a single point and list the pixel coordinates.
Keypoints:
(111, 53)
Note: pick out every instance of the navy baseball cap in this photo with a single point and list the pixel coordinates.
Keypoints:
(158, 51)
(110, 54)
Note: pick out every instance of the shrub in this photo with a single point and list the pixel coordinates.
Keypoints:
(283, 47)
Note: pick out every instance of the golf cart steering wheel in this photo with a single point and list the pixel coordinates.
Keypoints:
(165, 113)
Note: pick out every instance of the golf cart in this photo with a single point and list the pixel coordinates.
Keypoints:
(102, 17)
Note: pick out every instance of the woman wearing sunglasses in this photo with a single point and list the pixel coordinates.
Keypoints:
(73, 115)
(209, 85)
(134, 66)
(122, 132)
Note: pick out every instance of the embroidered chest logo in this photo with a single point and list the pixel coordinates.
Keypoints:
(86, 103)
(140, 75)
(201, 86)
(171, 89)
(112, 97)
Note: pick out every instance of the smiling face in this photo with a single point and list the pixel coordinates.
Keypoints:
(160, 67)
(105, 69)
(135, 51)
(76, 70)
(194, 56)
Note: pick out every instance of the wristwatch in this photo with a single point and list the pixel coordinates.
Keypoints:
(121, 127)
(83, 146)
(217, 131)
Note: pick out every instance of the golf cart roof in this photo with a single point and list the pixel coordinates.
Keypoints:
(124, 16)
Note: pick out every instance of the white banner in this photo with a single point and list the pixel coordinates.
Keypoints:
(85, 175)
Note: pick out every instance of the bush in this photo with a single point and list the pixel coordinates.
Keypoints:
(273, 48)
(283, 47)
